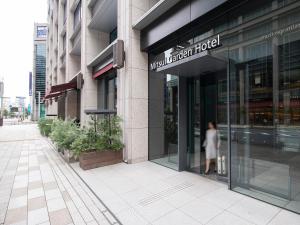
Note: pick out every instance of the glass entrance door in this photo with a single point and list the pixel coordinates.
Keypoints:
(207, 103)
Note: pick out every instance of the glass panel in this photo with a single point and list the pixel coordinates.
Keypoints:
(111, 94)
(208, 103)
(265, 112)
(163, 120)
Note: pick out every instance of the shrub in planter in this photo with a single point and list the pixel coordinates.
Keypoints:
(45, 126)
(64, 134)
(100, 144)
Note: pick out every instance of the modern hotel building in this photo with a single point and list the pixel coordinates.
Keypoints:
(169, 67)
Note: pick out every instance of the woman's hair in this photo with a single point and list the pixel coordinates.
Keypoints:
(214, 124)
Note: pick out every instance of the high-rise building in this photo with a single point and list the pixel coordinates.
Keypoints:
(235, 64)
(39, 70)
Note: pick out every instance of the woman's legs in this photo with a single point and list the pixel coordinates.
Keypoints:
(207, 165)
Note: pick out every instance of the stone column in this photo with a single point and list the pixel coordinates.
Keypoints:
(133, 83)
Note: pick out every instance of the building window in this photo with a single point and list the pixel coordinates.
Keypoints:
(107, 92)
(77, 15)
(41, 31)
(111, 93)
(113, 35)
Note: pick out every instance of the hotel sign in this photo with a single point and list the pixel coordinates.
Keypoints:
(185, 53)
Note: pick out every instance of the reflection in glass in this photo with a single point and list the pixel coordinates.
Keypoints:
(265, 118)
(163, 131)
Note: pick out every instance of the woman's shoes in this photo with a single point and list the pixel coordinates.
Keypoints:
(206, 173)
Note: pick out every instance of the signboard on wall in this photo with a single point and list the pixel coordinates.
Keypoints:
(187, 52)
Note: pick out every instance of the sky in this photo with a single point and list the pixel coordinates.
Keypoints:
(17, 18)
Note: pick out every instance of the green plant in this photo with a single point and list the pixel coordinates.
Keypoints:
(64, 133)
(101, 135)
(110, 134)
(5, 113)
(45, 126)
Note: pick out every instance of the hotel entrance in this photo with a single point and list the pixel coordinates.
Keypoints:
(207, 94)
(186, 96)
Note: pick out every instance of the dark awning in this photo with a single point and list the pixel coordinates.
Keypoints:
(63, 87)
(103, 70)
(52, 95)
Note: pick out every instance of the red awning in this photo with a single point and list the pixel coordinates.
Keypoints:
(63, 87)
(53, 95)
(102, 71)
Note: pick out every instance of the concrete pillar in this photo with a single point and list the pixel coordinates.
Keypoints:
(133, 83)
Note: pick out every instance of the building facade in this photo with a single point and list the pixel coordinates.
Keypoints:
(187, 63)
(39, 70)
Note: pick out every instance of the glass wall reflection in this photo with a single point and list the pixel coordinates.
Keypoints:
(265, 111)
(163, 120)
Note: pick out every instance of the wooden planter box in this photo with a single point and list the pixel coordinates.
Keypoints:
(91, 160)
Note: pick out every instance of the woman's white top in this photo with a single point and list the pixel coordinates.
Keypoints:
(212, 143)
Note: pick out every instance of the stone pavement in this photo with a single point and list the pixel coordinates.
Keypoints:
(147, 193)
(38, 187)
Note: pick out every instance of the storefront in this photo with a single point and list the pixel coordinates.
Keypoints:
(241, 69)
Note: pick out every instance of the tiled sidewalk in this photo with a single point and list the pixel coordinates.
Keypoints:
(147, 193)
(38, 187)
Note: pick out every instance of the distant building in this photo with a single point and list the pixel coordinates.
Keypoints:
(39, 69)
(6, 103)
(1, 88)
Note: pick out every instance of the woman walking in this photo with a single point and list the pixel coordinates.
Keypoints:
(212, 144)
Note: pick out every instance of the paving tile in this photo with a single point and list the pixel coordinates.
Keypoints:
(36, 203)
(254, 210)
(33, 168)
(16, 215)
(35, 193)
(179, 199)
(35, 179)
(52, 194)
(56, 204)
(201, 210)
(34, 185)
(38, 216)
(21, 178)
(50, 186)
(285, 217)
(116, 204)
(176, 217)
(92, 223)
(131, 217)
(66, 196)
(154, 210)
(77, 219)
(17, 202)
(227, 218)
(86, 214)
(23, 222)
(18, 192)
(60, 217)
(45, 223)
(223, 198)
(20, 184)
